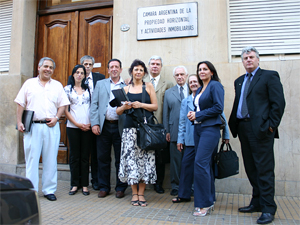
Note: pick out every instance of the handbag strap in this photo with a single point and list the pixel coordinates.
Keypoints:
(227, 145)
(143, 101)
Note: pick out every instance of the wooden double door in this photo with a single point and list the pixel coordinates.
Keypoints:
(66, 37)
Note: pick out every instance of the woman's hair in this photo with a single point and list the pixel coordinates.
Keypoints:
(84, 82)
(212, 68)
(135, 63)
(192, 75)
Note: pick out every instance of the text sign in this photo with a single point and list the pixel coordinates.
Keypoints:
(168, 21)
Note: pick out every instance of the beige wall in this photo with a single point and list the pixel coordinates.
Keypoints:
(20, 68)
(212, 44)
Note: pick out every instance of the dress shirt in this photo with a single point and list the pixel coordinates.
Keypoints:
(80, 106)
(91, 83)
(239, 110)
(185, 90)
(196, 102)
(43, 100)
(156, 80)
(111, 111)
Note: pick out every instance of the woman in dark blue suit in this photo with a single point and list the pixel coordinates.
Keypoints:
(209, 103)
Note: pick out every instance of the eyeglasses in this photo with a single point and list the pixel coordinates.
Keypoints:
(88, 64)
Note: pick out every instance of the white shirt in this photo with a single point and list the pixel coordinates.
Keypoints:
(80, 106)
(111, 111)
(43, 100)
(185, 90)
(196, 102)
(91, 83)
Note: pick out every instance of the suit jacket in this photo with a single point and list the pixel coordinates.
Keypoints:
(100, 101)
(265, 101)
(211, 104)
(96, 77)
(171, 112)
(161, 87)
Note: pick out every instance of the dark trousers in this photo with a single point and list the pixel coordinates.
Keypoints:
(94, 160)
(161, 158)
(206, 142)
(79, 155)
(109, 137)
(258, 156)
(175, 165)
(187, 172)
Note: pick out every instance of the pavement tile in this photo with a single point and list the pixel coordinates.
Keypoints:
(80, 209)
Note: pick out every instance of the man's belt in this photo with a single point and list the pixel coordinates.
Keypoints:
(112, 121)
(40, 121)
(244, 120)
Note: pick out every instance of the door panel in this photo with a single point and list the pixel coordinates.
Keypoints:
(66, 37)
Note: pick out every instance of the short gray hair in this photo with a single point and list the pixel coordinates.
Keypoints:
(42, 60)
(155, 57)
(183, 67)
(249, 49)
(87, 57)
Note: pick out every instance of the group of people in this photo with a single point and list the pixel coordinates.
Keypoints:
(190, 112)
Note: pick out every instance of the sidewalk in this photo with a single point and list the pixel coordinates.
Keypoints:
(80, 209)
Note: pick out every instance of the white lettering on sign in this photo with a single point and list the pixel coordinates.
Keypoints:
(168, 21)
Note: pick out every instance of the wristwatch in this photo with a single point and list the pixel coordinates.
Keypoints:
(57, 118)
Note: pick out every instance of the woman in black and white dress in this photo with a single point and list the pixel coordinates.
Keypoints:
(137, 166)
(79, 129)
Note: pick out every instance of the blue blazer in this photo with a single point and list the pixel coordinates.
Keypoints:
(211, 104)
(186, 128)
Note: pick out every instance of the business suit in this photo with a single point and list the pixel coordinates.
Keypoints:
(94, 163)
(160, 156)
(110, 134)
(186, 137)
(265, 102)
(171, 112)
(206, 136)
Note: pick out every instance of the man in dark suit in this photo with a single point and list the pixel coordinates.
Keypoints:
(92, 78)
(171, 112)
(256, 114)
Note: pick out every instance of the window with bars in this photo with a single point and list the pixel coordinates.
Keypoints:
(5, 33)
(272, 26)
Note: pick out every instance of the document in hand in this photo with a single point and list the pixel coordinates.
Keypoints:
(120, 96)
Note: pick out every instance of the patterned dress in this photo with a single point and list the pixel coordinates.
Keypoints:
(136, 164)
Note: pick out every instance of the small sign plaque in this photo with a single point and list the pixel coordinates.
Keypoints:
(167, 21)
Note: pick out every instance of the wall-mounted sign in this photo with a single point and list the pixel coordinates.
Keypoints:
(167, 21)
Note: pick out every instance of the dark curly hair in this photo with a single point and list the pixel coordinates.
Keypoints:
(135, 63)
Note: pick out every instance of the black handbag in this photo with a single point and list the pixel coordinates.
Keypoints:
(150, 136)
(226, 162)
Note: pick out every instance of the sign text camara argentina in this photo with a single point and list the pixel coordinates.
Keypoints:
(168, 21)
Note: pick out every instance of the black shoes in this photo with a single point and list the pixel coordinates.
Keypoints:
(95, 186)
(158, 188)
(179, 200)
(174, 192)
(85, 192)
(72, 192)
(249, 209)
(50, 197)
(265, 218)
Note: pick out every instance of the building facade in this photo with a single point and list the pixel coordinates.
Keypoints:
(65, 30)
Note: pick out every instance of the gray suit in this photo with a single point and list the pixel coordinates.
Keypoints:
(171, 113)
(110, 135)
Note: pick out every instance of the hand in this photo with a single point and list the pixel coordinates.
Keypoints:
(179, 146)
(191, 115)
(127, 81)
(96, 129)
(51, 121)
(137, 105)
(21, 127)
(85, 127)
(226, 141)
(127, 105)
(168, 137)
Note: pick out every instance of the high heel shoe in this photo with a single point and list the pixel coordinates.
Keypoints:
(203, 211)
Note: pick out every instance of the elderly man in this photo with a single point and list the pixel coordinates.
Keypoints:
(171, 112)
(47, 98)
(160, 85)
(105, 124)
(92, 78)
(256, 114)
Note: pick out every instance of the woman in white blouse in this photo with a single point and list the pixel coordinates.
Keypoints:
(79, 129)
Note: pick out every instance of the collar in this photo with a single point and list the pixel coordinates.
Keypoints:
(253, 72)
(39, 80)
(90, 76)
(121, 81)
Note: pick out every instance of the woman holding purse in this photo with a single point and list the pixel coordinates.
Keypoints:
(137, 166)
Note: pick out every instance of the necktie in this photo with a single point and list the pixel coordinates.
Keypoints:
(244, 110)
(181, 93)
(153, 82)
